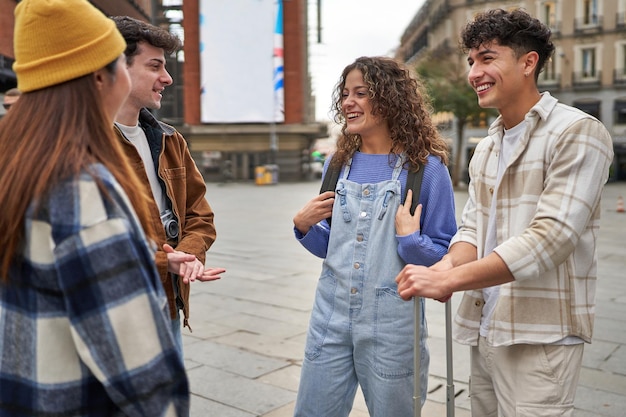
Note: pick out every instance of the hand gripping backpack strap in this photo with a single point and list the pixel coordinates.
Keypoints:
(413, 182)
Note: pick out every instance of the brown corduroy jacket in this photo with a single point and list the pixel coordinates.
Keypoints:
(185, 187)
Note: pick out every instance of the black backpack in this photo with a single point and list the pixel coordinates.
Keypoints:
(413, 181)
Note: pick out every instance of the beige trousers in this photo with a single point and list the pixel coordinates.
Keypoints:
(524, 380)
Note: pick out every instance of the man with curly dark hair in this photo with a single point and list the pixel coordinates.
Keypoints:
(525, 253)
(361, 331)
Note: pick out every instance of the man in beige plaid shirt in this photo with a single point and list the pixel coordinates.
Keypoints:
(525, 252)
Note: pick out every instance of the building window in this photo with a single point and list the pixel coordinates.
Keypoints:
(590, 12)
(549, 14)
(619, 73)
(620, 19)
(589, 63)
(620, 111)
(549, 70)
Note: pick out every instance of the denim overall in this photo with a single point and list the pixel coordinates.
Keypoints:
(361, 331)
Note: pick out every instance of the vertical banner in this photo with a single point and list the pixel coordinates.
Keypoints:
(241, 61)
(279, 71)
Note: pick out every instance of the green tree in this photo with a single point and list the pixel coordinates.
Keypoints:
(449, 91)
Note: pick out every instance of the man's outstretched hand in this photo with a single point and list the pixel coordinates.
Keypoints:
(189, 267)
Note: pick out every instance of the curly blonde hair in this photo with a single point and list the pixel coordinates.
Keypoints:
(397, 97)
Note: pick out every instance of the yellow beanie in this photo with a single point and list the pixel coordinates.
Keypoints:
(59, 40)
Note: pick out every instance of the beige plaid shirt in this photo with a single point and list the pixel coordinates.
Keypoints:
(548, 217)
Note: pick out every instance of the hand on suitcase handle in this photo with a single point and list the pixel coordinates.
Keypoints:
(420, 281)
(443, 265)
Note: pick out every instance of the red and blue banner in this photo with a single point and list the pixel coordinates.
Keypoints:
(279, 61)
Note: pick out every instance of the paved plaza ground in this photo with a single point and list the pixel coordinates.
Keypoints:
(244, 355)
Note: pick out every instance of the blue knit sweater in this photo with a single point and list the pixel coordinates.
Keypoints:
(424, 247)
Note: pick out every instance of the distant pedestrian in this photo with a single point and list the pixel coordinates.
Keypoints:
(83, 326)
(361, 331)
(526, 251)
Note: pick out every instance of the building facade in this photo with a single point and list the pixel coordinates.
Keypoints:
(240, 148)
(588, 69)
(229, 151)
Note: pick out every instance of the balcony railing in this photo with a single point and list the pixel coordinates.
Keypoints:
(551, 83)
(619, 77)
(591, 25)
(584, 80)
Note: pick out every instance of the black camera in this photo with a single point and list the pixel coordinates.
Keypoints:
(170, 224)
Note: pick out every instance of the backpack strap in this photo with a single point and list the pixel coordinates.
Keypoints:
(329, 183)
(414, 182)
(330, 179)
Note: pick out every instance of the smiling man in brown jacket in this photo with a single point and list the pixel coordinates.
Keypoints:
(181, 214)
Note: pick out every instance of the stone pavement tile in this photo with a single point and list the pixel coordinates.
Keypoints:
(287, 411)
(584, 413)
(437, 392)
(268, 266)
(614, 308)
(301, 285)
(438, 362)
(253, 324)
(434, 409)
(609, 330)
(300, 339)
(244, 394)
(213, 307)
(284, 411)
(599, 403)
(604, 380)
(596, 353)
(275, 348)
(204, 328)
(232, 360)
(616, 363)
(287, 378)
(261, 292)
(610, 277)
(202, 407)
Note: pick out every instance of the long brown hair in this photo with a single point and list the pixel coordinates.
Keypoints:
(48, 136)
(397, 97)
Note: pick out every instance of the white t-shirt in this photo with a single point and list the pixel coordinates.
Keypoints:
(137, 137)
(491, 294)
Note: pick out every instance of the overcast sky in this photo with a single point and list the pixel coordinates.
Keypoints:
(350, 29)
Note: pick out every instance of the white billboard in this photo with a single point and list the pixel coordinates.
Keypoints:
(241, 61)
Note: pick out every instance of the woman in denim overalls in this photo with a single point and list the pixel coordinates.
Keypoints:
(361, 331)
